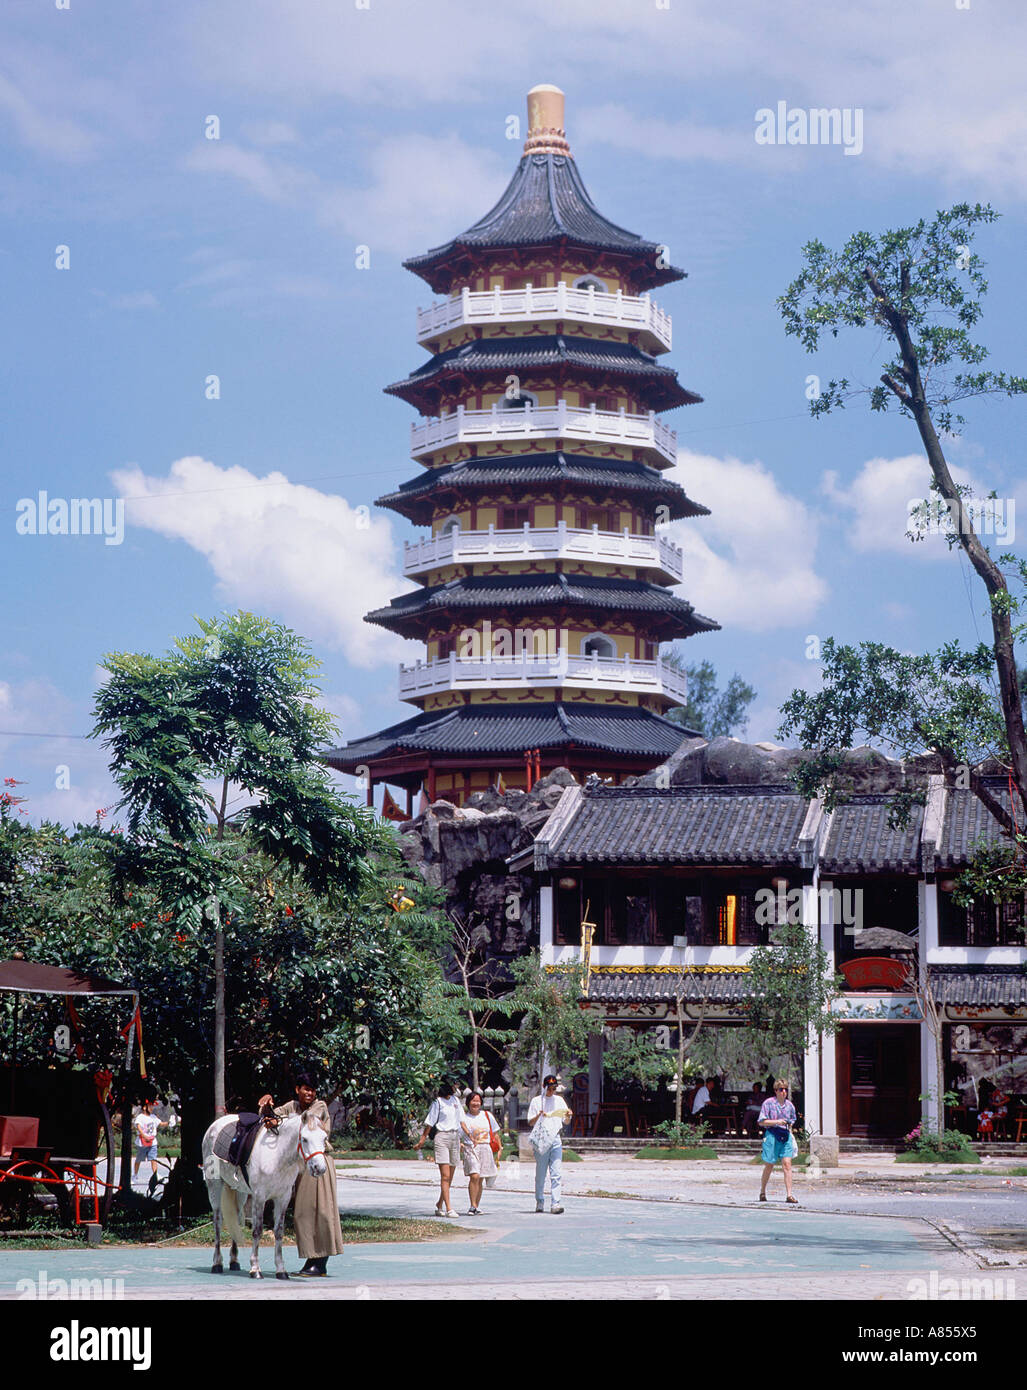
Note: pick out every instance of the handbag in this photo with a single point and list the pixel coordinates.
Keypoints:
(495, 1142)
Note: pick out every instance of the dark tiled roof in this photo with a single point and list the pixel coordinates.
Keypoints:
(967, 821)
(553, 590)
(683, 825)
(613, 475)
(988, 986)
(859, 840)
(477, 728)
(658, 385)
(652, 987)
(546, 202)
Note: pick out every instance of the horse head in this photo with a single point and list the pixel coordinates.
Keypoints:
(311, 1145)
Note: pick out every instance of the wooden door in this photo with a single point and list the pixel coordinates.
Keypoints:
(883, 1080)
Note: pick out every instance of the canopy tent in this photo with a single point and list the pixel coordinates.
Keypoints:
(25, 977)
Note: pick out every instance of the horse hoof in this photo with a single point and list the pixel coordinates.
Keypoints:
(234, 1265)
(281, 1276)
(256, 1274)
(217, 1269)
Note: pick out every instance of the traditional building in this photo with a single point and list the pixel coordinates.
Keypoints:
(673, 880)
(546, 584)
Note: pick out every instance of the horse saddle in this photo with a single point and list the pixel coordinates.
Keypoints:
(235, 1146)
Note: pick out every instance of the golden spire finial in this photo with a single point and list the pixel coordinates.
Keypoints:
(546, 134)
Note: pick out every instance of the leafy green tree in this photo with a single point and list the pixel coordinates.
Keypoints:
(337, 980)
(919, 290)
(716, 713)
(632, 1055)
(789, 991)
(555, 1029)
(229, 710)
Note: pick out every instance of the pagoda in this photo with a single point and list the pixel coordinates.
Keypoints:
(545, 581)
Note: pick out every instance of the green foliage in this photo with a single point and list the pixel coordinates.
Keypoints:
(633, 1056)
(928, 274)
(738, 1052)
(715, 713)
(681, 1135)
(307, 972)
(939, 702)
(553, 1024)
(790, 989)
(928, 1145)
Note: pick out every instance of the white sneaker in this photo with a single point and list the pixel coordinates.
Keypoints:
(556, 1211)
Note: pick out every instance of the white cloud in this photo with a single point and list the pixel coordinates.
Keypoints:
(278, 547)
(875, 506)
(751, 563)
(41, 130)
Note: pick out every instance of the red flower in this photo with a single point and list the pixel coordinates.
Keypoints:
(289, 912)
(264, 1003)
(180, 938)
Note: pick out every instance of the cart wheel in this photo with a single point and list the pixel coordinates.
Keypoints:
(105, 1150)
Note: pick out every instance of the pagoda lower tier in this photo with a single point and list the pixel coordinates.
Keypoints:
(456, 752)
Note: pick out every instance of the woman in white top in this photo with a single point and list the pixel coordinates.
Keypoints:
(447, 1115)
(479, 1160)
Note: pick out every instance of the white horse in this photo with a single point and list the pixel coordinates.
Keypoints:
(276, 1161)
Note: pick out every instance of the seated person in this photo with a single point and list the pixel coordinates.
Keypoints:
(753, 1106)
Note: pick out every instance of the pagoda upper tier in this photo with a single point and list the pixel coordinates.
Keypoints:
(545, 205)
(546, 582)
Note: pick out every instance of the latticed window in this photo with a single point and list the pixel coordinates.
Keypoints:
(983, 923)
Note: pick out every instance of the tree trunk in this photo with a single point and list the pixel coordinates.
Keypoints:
(219, 1019)
(912, 395)
(220, 1106)
(679, 1077)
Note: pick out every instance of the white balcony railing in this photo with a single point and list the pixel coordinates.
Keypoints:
(561, 421)
(560, 542)
(534, 303)
(528, 669)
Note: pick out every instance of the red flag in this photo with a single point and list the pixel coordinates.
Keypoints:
(391, 810)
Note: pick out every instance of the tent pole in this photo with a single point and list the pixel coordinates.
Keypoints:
(14, 1055)
(126, 1105)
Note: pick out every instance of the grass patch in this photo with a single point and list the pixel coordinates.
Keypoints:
(366, 1154)
(1020, 1171)
(569, 1156)
(358, 1228)
(702, 1153)
(914, 1157)
(601, 1192)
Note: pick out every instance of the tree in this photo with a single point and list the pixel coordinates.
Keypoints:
(716, 713)
(920, 287)
(337, 980)
(632, 1055)
(555, 1029)
(478, 1003)
(790, 989)
(233, 707)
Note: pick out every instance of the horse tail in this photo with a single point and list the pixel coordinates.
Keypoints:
(230, 1214)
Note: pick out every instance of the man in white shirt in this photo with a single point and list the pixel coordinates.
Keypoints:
(548, 1113)
(702, 1098)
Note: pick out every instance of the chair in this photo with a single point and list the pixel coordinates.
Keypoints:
(1021, 1126)
(579, 1115)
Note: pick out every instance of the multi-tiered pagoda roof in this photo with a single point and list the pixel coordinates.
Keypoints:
(544, 483)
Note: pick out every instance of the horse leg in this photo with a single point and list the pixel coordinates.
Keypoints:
(233, 1262)
(258, 1231)
(215, 1202)
(280, 1205)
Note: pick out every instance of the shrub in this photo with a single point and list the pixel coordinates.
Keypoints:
(682, 1136)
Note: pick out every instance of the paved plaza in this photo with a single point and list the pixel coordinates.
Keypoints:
(680, 1234)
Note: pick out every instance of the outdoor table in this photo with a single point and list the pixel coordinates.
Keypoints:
(613, 1108)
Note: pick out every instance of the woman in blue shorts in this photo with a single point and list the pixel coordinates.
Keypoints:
(777, 1115)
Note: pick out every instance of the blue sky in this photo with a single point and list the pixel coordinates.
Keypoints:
(386, 127)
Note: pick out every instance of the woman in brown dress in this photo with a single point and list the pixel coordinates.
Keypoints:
(316, 1202)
